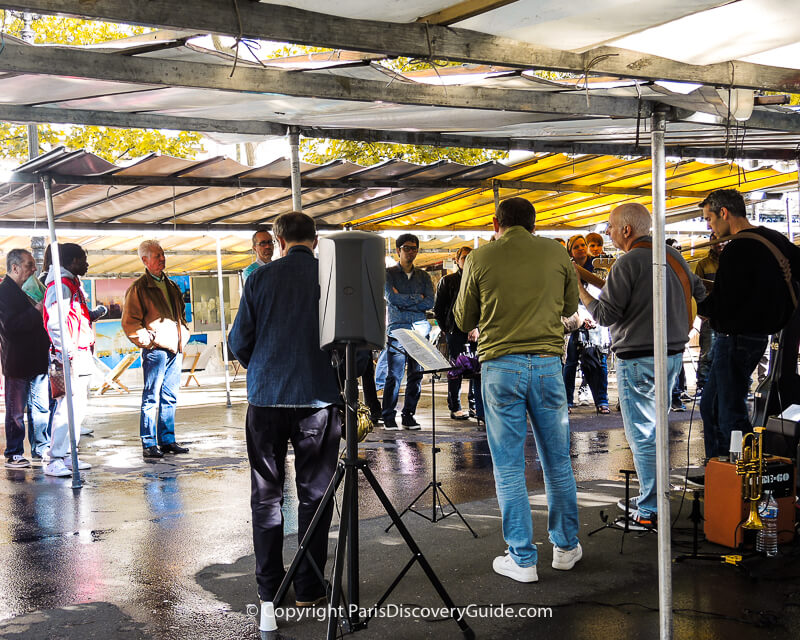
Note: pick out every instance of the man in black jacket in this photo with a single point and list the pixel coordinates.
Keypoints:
(446, 294)
(750, 300)
(23, 348)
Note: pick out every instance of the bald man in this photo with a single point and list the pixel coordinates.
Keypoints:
(625, 305)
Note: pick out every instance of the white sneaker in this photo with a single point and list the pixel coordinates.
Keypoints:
(584, 397)
(267, 622)
(57, 468)
(565, 559)
(81, 464)
(505, 566)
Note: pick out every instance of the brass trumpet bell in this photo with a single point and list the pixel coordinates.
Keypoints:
(753, 520)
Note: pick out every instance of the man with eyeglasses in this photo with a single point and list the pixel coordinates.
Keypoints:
(409, 294)
(264, 246)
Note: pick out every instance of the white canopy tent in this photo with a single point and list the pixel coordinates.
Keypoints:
(731, 48)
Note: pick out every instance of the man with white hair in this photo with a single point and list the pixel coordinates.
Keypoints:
(625, 305)
(154, 319)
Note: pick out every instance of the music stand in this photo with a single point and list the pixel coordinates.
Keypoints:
(621, 523)
(431, 361)
(347, 470)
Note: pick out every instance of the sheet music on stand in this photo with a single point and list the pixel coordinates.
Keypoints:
(421, 350)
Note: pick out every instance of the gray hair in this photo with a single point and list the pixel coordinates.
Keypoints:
(15, 257)
(634, 215)
(147, 247)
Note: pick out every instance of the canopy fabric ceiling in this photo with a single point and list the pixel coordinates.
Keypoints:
(761, 31)
(568, 193)
(50, 93)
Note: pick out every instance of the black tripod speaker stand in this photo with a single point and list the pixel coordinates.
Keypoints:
(437, 507)
(347, 545)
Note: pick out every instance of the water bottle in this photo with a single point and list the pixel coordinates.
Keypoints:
(767, 539)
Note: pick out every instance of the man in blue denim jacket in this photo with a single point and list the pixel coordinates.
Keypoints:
(293, 396)
(409, 294)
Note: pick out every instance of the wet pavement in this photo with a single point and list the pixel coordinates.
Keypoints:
(163, 549)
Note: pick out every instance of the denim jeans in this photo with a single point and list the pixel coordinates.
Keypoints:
(380, 370)
(707, 338)
(637, 400)
(514, 387)
(31, 393)
(723, 404)
(162, 378)
(315, 436)
(396, 362)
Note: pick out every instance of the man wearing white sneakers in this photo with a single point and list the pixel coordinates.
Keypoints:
(76, 344)
(516, 290)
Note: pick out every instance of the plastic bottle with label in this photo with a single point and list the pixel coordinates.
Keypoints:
(767, 539)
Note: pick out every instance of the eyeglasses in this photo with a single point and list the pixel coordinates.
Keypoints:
(265, 243)
(409, 248)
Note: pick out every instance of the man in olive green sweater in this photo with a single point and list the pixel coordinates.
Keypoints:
(515, 290)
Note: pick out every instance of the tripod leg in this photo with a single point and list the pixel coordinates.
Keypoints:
(312, 527)
(338, 567)
(412, 545)
(457, 512)
(411, 504)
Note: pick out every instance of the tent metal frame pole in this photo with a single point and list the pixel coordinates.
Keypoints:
(659, 127)
(294, 146)
(223, 324)
(56, 258)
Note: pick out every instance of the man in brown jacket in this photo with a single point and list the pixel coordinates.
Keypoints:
(154, 320)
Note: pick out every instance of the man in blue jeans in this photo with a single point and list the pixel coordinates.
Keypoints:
(409, 294)
(154, 319)
(625, 305)
(751, 299)
(515, 291)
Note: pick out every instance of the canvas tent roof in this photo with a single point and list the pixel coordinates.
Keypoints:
(96, 201)
(168, 79)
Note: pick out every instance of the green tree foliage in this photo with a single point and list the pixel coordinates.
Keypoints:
(369, 153)
(109, 143)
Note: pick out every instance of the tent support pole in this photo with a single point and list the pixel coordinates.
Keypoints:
(223, 324)
(661, 378)
(294, 145)
(56, 258)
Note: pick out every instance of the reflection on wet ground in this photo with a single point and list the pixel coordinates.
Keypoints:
(137, 533)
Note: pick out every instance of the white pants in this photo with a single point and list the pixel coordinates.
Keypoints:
(59, 440)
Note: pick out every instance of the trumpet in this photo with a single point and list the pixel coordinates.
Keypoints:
(751, 468)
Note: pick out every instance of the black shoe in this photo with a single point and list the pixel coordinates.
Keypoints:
(390, 425)
(173, 447)
(152, 452)
(677, 405)
(409, 423)
(459, 415)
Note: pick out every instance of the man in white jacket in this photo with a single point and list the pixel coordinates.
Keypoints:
(76, 343)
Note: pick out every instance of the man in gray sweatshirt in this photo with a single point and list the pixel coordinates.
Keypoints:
(625, 305)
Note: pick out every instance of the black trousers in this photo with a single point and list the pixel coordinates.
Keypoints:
(315, 436)
(368, 387)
